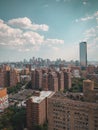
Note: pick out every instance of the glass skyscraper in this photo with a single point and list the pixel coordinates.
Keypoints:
(83, 54)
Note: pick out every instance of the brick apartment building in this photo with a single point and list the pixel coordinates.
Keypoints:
(49, 79)
(73, 114)
(45, 82)
(90, 93)
(8, 77)
(60, 76)
(36, 79)
(37, 109)
(67, 79)
(2, 78)
(64, 111)
(52, 81)
(13, 77)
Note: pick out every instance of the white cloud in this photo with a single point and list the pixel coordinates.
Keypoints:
(88, 17)
(54, 41)
(23, 50)
(9, 34)
(96, 14)
(84, 19)
(1, 21)
(97, 19)
(26, 23)
(91, 37)
(84, 2)
(55, 48)
(90, 33)
(24, 40)
(33, 37)
(92, 49)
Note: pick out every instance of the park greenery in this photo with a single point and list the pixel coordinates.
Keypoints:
(15, 89)
(13, 118)
(77, 85)
(41, 127)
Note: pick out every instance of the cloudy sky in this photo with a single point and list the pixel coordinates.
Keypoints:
(47, 29)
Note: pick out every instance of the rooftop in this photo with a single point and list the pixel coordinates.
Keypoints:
(42, 96)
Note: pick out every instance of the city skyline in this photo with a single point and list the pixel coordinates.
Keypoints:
(48, 29)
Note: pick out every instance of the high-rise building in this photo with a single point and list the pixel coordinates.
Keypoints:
(60, 76)
(37, 79)
(67, 80)
(45, 82)
(13, 77)
(52, 81)
(83, 54)
(8, 77)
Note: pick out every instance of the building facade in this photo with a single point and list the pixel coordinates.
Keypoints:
(37, 79)
(52, 81)
(49, 79)
(37, 109)
(8, 77)
(90, 93)
(67, 80)
(68, 113)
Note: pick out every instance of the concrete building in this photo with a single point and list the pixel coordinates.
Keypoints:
(37, 109)
(3, 99)
(83, 54)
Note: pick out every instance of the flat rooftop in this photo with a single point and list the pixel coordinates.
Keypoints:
(42, 96)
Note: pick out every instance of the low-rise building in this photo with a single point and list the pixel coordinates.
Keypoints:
(3, 99)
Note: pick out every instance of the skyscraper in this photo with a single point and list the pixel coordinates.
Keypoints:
(83, 54)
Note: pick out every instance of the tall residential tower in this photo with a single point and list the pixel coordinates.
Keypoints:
(83, 54)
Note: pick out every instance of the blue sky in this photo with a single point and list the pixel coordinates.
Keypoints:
(48, 29)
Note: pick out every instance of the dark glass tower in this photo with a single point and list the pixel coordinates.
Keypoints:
(83, 54)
